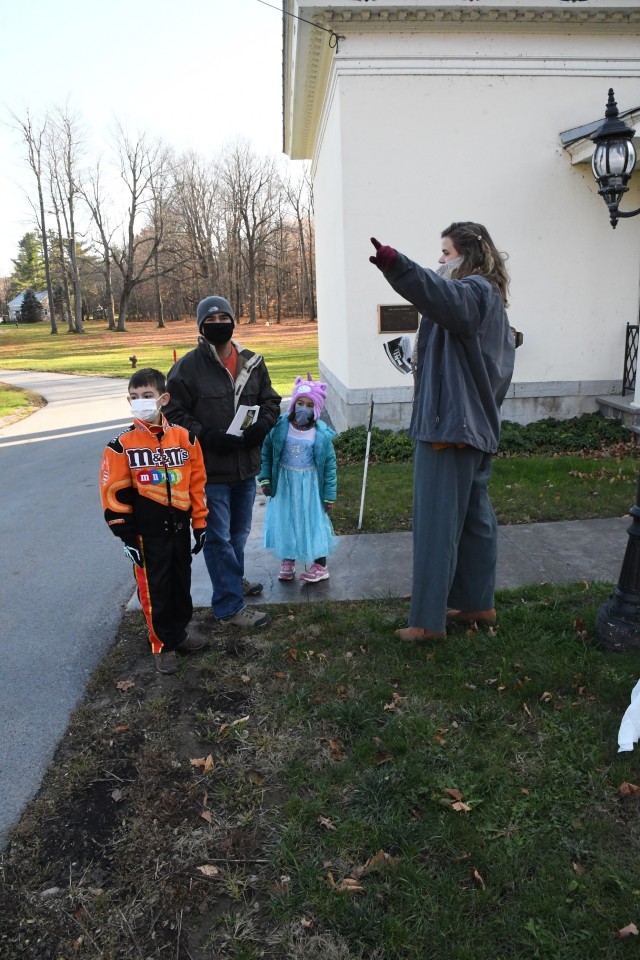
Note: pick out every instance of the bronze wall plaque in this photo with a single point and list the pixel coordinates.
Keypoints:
(397, 318)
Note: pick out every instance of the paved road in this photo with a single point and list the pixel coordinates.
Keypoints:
(63, 579)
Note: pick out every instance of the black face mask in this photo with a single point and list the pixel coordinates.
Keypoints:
(217, 333)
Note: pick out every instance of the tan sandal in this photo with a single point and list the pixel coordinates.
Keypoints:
(480, 617)
(418, 635)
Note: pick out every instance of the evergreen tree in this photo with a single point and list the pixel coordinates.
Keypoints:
(31, 309)
(29, 266)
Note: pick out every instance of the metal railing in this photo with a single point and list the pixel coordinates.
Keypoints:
(630, 358)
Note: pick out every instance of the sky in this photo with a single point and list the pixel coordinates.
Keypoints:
(197, 73)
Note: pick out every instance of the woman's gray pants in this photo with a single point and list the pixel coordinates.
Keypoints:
(454, 534)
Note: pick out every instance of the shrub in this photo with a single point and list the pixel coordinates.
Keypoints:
(591, 431)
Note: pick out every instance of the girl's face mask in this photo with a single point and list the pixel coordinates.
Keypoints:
(302, 415)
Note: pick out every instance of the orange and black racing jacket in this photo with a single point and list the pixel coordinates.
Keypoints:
(151, 476)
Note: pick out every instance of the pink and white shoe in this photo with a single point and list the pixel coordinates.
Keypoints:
(315, 573)
(287, 570)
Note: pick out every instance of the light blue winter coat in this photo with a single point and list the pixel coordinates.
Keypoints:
(324, 456)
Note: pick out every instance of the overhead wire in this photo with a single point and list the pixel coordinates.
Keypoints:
(334, 37)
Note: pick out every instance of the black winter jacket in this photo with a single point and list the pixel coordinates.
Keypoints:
(204, 399)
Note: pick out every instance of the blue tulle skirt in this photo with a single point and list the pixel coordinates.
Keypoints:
(296, 526)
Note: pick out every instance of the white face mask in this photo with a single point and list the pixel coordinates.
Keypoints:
(144, 408)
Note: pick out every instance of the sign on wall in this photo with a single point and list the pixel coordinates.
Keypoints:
(397, 318)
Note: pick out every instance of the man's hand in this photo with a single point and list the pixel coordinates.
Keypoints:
(384, 256)
(133, 554)
(200, 536)
(255, 434)
(222, 442)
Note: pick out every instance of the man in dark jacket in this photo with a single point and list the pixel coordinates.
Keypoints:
(206, 386)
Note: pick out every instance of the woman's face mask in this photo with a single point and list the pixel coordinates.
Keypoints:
(446, 269)
(302, 415)
(217, 333)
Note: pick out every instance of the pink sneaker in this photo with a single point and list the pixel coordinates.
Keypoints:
(315, 573)
(287, 570)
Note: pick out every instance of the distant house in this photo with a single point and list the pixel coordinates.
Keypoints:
(15, 305)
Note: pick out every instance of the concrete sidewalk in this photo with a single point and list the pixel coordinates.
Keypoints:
(377, 565)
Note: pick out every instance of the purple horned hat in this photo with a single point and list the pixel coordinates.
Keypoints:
(312, 390)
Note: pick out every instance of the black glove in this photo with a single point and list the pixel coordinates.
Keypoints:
(266, 488)
(255, 434)
(222, 442)
(133, 554)
(200, 538)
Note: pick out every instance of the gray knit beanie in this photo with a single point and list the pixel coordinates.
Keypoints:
(211, 307)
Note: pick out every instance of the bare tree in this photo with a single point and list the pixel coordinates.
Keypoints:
(135, 256)
(33, 135)
(93, 196)
(64, 146)
(300, 196)
(251, 186)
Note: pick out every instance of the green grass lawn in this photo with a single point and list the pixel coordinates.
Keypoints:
(15, 404)
(523, 490)
(364, 799)
(289, 349)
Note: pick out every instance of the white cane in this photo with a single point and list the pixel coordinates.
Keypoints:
(366, 464)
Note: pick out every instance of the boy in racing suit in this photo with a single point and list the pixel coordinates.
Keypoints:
(152, 482)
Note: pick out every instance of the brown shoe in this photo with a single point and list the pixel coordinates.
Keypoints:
(480, 617)
(191, 643)
(166, 661)
(418, 635)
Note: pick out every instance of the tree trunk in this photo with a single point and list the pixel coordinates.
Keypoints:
(159, 303)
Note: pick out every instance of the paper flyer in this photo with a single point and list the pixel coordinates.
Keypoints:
(244, 417)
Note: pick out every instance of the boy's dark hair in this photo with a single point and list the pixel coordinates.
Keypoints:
(148, 377)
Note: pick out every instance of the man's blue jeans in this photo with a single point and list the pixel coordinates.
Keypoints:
(228, 526)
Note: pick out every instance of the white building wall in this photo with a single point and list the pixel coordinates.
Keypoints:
(418, 131)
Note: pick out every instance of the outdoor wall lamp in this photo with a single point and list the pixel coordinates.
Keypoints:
(614, 160)
(618, 621)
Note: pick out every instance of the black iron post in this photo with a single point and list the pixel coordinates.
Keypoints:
(618, 620)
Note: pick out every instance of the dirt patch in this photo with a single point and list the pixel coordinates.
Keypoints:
(132, 849)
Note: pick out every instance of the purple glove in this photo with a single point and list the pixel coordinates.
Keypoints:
(266, 488)
(384, 255)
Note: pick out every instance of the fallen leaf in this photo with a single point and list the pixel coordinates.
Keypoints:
(336, 751)
(526, 710)
(125, 684)
(117, 795)
(306, 924)
(363, 649)
(469, 686)
(460, 807)
(348, 885)
(395, 702)
(326, 823)
(381, 758)
(579, 869)
(254, 777)
(524, 789)
(546, 697)
(121, 729)
(478, 879)
(280, 674)
(208, 870)
(628, 789)
(240, 720)
(627, 931)
(502, 687)
(292, 654)
(206, 815)
(376, 862)
(454, 792)
(245, 678)
(198, 762)
(463, 856)
(492, 632)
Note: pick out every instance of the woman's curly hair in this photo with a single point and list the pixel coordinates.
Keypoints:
(480, 255)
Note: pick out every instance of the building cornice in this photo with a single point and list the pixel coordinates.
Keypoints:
(310, 53)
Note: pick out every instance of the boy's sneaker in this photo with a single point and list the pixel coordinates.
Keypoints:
(248, 618)
(251, 589)
(315, 573)
(190, 643)
(166, 661)
(287, 570)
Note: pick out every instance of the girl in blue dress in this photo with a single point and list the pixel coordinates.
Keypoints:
(298, 474)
